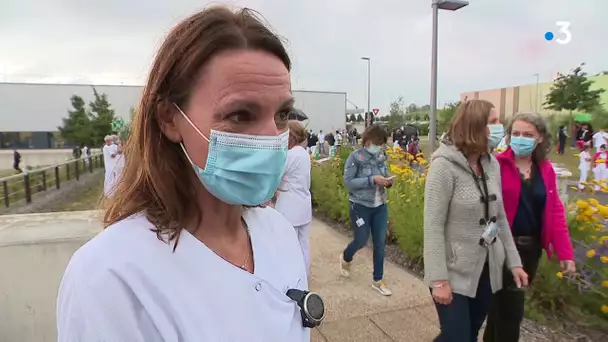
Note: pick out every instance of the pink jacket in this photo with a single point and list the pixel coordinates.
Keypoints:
(596, 157)
(555, 235)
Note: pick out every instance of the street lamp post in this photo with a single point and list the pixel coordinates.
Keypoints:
(369, 109)
(448, 5)
(537, 93)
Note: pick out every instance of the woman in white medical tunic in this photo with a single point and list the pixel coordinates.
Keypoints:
(188, 253)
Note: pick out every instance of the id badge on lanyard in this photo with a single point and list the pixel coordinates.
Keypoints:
(490, 233)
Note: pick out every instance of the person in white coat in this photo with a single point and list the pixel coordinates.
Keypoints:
(584, 166)
(110, 151)
(120, 159)
(600, 171)
(188, 252)
(293, 198)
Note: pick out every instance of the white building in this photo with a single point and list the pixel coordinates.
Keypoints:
(30, 113)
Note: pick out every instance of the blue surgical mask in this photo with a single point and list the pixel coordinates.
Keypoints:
(522, 146)
(373, 149)
(497, 132)
(241, 169)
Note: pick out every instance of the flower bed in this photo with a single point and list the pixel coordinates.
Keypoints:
(582, 298)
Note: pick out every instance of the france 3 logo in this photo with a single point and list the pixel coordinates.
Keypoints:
(563, 36)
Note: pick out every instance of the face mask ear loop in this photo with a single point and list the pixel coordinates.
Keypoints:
(181, 144)
(186, 153)
(191, 123)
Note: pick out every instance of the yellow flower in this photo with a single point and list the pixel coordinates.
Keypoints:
(605, 283)
(604, 309)
(604, 260)
(591, 253)
(603, 239)
(602, 210)
(582, 204)
(559, 275)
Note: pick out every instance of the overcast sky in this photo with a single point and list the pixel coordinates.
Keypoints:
(489, 44)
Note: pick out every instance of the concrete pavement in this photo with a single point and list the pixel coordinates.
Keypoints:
(35, 248)
(355, 311)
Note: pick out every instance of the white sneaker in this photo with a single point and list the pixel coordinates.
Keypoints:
(381, 287)
(344, 266)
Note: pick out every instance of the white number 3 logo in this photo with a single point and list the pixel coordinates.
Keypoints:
(564, 29)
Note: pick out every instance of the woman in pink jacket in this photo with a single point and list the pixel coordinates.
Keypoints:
(536, 216)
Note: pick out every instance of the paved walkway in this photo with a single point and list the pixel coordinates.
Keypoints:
(356, 312)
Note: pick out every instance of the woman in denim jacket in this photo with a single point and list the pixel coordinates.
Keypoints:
(366, 178)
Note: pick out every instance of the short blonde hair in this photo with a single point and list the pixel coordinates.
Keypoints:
(468, 129)
(297, 132)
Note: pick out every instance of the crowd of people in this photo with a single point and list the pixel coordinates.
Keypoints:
(326, 143)
(191, 244)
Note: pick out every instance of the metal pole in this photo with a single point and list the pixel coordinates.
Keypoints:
(369, 107)
(433, 104)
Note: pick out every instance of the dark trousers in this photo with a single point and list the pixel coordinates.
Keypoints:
(507, 310)
(372, 220)
(461, 320)
(562, 146)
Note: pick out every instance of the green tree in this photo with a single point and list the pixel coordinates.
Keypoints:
(396, 113)
(411, 108)
(101, 115)
(76, 128)
(445, 115)
(360, 118)
(126, 131)
(572, 92)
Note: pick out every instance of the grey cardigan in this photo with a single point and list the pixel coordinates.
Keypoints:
(452, 210)
(359, 171)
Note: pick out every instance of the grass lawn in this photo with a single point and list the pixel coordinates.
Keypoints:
(87, 200)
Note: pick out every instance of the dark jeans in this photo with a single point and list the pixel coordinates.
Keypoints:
(562, 146)
(374, 221)
(461, 320)
(507, 311)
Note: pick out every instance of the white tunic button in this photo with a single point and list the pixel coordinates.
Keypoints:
(258, 286)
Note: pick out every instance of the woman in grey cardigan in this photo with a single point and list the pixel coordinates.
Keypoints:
(467, 239)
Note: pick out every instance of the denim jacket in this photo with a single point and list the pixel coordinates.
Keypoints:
(359, 171)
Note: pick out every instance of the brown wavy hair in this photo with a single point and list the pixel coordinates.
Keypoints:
(157, 177)
(468, 129)
(297, 132)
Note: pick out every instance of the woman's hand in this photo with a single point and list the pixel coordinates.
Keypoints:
(442, 292)
(567, 266)
(520, 277)
(383, 181)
